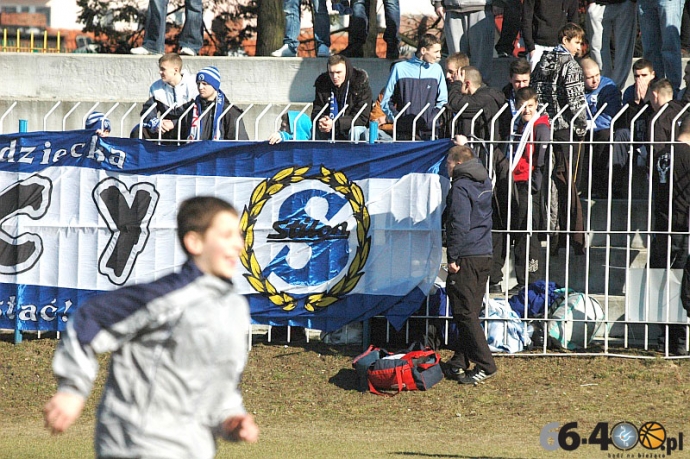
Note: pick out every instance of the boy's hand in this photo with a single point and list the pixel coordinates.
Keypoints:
(325, 124)
(241, 428)
(275, 138)
(460, 139)
(61, 411)
(167, 125)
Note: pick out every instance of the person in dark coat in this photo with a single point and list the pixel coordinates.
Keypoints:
(468, 235)
(218, 123)
(342, 87)
(471, 91)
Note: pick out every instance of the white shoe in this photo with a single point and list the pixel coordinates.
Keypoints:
(323, 51)
(184, 51)
(283, 51)
(140, 51)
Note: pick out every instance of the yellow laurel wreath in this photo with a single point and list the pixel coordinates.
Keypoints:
(260, 196)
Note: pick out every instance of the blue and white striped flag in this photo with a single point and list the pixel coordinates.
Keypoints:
(335, 233)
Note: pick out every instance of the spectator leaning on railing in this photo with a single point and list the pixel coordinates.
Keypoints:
(419, 81)
(209, 117)
(341, 87)
(175, 88)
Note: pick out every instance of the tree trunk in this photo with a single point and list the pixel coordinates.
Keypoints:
(373, 32)
(270, 26)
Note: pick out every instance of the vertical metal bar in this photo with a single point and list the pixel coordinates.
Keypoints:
(45, 118)
(258, 118)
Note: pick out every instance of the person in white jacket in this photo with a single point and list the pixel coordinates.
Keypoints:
(179, 346)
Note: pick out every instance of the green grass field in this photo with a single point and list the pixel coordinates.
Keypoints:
(305, 401)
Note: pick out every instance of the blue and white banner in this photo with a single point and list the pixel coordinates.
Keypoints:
(335, 232)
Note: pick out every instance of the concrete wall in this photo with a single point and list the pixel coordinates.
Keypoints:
(37, 82)
(113, 77)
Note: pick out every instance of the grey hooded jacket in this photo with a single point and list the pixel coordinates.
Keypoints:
(179, 346)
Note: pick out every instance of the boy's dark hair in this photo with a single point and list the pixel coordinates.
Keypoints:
(524, 94)
(473, 75)
(196, 215)
(519, 67)
(336, 59)
(642, 64)
(662, 86)
(460, 153)
(427, 41)
(570, 31)
(173, 58)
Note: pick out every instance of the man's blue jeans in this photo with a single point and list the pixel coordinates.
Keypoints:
(322, 23)
(660, 22)
(192, 35)
(359, 24)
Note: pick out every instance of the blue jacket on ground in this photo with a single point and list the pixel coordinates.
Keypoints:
(468, 212)
(606, 93)
(418, 82)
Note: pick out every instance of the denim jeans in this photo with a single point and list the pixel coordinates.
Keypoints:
(192, 35)
(660, 22)
(359, 23)
(322, 23)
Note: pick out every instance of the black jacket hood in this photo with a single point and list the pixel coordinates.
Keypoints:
(472, 169)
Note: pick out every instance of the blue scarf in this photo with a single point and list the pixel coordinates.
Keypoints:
(334, 103)
(197, 128)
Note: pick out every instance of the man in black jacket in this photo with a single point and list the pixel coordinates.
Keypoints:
(477, 96)
(342, 87)
(468, 235)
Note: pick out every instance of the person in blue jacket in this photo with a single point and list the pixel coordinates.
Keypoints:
(603, 103)
(468, 221)
(420, 81)
(295, 121)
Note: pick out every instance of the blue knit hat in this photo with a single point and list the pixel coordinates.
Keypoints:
(209, 75)
(96, 121)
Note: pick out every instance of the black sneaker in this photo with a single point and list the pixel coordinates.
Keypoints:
(495, 288)
(453, 373)
(475, 376)
(515, 290)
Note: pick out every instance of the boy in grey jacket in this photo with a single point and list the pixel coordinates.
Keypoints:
(179, 346)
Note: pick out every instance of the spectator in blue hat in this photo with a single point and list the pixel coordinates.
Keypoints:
(98, 122)
(212, 117)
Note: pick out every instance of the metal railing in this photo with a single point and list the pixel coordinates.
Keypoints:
(616, 221)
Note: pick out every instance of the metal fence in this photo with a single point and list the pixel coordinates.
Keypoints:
(600, 248)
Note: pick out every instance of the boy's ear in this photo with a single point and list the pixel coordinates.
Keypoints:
(193, 242)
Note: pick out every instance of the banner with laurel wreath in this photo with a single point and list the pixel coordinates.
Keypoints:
(335, 232)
